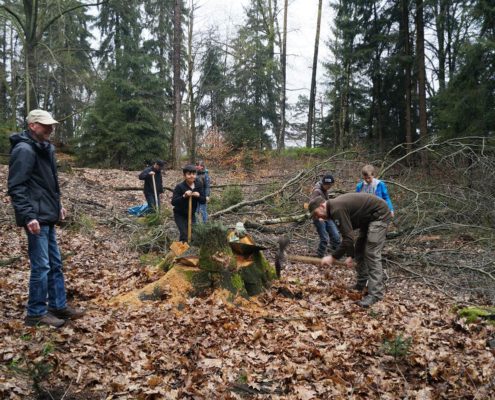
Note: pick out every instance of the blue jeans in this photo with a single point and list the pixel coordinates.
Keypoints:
(203, 212)
(46, 282)
(328, 233)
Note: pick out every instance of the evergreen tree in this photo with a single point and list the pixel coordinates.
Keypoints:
(69, 76)
(467, 105)
(213, 86)
(122, 129)
(256, 79)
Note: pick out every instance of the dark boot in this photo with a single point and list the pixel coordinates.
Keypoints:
(67, 312)
(48, 320)
(368, 301)
(358, 287)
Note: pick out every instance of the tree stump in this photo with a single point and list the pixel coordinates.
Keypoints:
(208, 266)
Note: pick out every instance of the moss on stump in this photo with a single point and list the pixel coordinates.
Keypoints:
(210, 265)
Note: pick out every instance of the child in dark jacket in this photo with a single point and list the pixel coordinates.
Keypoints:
(152, 177)
(183, 192)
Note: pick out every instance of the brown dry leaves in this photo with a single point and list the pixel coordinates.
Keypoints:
(315, 344)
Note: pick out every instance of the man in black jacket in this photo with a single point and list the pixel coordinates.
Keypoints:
(188, 193)
(35, 193)
(150, 174)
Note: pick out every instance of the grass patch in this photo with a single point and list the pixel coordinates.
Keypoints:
(475, 314)
(230, 196)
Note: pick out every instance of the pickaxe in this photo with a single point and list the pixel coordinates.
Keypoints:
(282, 256)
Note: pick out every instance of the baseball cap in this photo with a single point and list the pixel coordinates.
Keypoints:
(41, 116)
(327, 180)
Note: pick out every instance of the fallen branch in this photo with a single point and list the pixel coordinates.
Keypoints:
(241, 184)
(262, 228)
(284, 220)
(301, 175)
(135, 188)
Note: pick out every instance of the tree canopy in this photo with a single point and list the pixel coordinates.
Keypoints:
(106, 70)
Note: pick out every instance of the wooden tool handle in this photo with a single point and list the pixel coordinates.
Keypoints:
(312, 260)
(189, 221)
(154, 190)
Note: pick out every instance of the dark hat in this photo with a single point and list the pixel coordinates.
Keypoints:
(189, 168)
(315, 203)
(161, 163)
(327, 180)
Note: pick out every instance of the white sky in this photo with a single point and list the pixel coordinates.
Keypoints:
(301, 21)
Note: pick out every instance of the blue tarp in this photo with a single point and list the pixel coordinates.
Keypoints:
(139, 210)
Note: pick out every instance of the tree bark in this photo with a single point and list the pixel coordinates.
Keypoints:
(176, 56)
(420, 58)
(440, 10)
(407, 74)
(312, 93)
(283, 95)
(190, 71)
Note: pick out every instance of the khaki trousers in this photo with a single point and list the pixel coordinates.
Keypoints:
(369, 247)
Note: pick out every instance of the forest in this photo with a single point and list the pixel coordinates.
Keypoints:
(135, 81)
(409, 87)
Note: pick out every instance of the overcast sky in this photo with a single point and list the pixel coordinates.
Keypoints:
(226, 14)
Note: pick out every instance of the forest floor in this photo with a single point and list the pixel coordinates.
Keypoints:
(305, 338)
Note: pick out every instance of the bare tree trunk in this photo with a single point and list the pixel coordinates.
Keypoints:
(176, 56)
(31, 102)
(283, 100)
(13, 78)
(377, 85)
(420, 57)
(3, 75)
(407, 74)
(440, 16)
(336, 127)
(312, 93)
(192, 105)
(344, 108)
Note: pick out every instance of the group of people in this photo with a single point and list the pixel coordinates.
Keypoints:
(35, 194)
(370, 211)
(189, 196)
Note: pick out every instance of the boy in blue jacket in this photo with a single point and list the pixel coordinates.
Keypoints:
(371, 185)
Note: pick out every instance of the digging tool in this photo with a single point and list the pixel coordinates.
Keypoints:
(154, 190)
(189, 221)
(282, 256)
